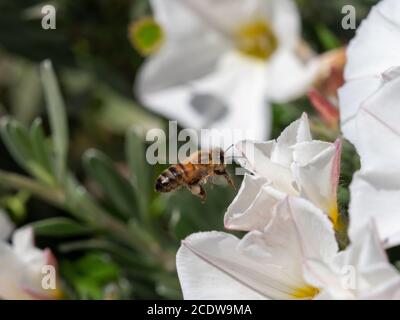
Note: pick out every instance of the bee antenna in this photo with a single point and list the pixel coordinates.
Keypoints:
(235, 157)
(230, 147)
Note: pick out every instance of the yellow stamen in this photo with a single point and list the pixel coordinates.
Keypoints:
(306, 292)
(256, 39)
(334, 216)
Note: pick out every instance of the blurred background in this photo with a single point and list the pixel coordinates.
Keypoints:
(117, 240)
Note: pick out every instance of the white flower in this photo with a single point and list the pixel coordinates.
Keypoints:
(294, 257)
(265, 264)
(21, 267)
(370, 114)
(6, 226)
(293, 165)
(362, 271)
(375, 189)
(223, 60)
(372, 59)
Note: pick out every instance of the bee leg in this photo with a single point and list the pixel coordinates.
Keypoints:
(198, 191)
(227, 177)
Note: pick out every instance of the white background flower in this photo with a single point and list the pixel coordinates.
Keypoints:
(203, 77)
(21, 266)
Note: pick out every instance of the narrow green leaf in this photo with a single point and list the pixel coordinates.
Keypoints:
(135, 153)
(18, 142)
(327, 37)
(57, 115)
(59, 227)
(16, 139)
(40, 146)
(116, 188)
(41, 152)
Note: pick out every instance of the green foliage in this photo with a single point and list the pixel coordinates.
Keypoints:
(122, 216)
(115, 188)
(58, 118)
(90, 275)
(59, 227)
(29, 148)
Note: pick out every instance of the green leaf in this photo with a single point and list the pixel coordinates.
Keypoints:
(116, 188)
(40, 148)
(328, 39)
(19, 143)
(135, 153)
(59, 227)
(90, 274)
(57, 117)
(16, 204)
(16, 139)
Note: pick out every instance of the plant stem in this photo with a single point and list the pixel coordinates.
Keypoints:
(99, 217)
(15, 182)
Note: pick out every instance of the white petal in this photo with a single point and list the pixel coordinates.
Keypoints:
(377, 197)
(366, 249)
(273, 160)
(209, 267)
(288, 77)
(249, 189)
(255, 157)
(171, 68)
(229, 15)
(367, 255)
(386, 291)
(285, 20)
(298, 131)
(375, 47)
(371, 56)
(180, 21)
(231, 99)
(351, 96)
(6, 226)
(362, 271)
(328, 279)
(317, 168)
(315, 232)
(11, 274)
(377, 123)
(200, 279)
(306, 152)
(252, 208)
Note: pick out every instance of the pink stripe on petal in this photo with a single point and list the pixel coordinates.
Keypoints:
(50, 258)
(379, 120)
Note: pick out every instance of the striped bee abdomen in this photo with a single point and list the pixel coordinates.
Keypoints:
(170, 179)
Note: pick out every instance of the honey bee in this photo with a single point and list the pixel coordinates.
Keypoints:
(194, 172)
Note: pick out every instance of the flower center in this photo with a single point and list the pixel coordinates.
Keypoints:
(306, 292)
(256, 39)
